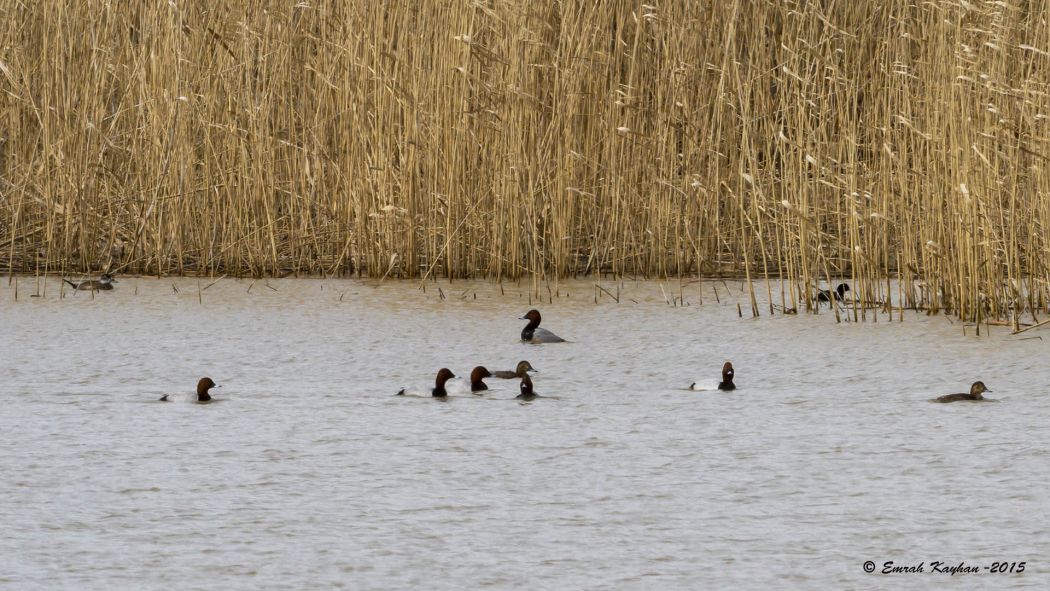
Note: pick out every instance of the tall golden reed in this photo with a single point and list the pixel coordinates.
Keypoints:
(798, 140)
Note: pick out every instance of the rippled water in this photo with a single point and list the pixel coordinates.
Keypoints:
(312, 475)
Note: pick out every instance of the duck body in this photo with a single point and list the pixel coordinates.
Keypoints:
(438, 391)
(532, 333)
(203, 396)
(103, 283)
(727, 379)
(976, 394)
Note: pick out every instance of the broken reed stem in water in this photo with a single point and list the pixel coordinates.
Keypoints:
(537, 140)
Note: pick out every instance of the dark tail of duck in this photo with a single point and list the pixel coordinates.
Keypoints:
(70, 282)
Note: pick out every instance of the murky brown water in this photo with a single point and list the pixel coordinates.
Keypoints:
(312, 475)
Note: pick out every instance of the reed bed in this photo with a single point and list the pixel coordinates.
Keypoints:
(795, 140)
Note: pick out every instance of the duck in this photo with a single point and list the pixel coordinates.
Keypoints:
(727, 379)
(521, 370)
(526, 390)
(532, 333)
(476, 376)
(976, 390)
(443, 375)
(203, 385)
(824, 295)
(103, 283)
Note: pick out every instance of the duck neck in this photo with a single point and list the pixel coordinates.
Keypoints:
(530, 328)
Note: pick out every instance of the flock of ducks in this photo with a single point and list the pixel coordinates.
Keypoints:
(532, 333)
(478, 385)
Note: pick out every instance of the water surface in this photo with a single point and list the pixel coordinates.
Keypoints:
(310, 474)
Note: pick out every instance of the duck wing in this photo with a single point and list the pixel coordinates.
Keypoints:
(542, 335)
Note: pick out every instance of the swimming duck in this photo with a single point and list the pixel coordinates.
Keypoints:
(103, 283)
(443, 375)
(824, 295)
(976, 391)
(521, 370)
(727, 379)
(203, 385)
(532, 333)
(476, 376)
(526, 390)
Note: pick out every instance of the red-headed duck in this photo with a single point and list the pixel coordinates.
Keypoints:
(203, 385)
(727, 379)
(526, 390)
(519, 372)
(444, 374)
(976, 391)
(476, 376)
(532, 333)
(824, 295)
(103, 283)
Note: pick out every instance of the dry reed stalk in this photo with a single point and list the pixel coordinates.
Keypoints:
(801, 141)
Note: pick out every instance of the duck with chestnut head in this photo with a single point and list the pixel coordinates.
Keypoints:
(203, 386)
(438, 391)
(727, 379)
(532, 333)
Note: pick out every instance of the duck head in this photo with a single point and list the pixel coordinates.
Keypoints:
(203, 385)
